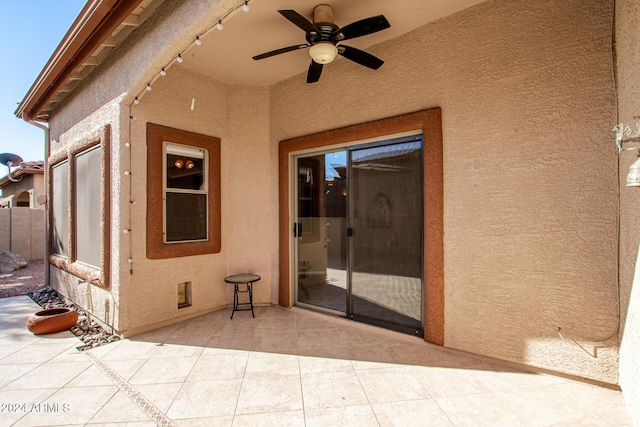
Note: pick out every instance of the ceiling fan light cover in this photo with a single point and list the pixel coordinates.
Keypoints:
(323, 53)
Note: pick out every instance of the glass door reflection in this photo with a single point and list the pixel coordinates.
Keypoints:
(321, 246)
(359, 233)
(385, 202)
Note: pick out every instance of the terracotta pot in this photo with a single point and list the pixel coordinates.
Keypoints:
(52, 320)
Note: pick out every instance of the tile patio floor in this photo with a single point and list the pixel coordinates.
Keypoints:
(283, 368)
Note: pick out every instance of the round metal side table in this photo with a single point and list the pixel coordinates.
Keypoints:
(238, 280)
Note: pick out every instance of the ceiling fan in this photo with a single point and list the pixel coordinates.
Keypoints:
(323, 36)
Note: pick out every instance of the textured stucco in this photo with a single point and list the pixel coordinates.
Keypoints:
(628, 66)
(251, 208)
(154, 282)
(237, 115)
(527, 99)
(126, 71)
(101, 302)
(147, 297)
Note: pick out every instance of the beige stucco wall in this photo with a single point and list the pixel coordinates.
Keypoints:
(154, 282)
(239, 117)
(101, 302)
(251, 210)
(147, 297)
(526, 92)
(628, 61)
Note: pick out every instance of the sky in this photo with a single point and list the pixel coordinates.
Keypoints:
(30, 30)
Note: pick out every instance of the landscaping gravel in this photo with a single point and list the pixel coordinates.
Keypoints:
(23, 281)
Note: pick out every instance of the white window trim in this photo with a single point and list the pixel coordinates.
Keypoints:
(191, 151)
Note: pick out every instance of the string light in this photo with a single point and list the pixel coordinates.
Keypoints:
(127, 230)
(245, 7)
(198, 42)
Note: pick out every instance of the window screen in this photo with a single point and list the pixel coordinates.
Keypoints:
(60, 209)
(88, 207)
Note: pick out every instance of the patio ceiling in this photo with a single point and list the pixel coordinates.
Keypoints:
(225, 55)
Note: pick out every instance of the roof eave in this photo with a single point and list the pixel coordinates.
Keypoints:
(95, 22)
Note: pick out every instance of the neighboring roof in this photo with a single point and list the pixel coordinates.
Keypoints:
(26, 168)
(100, 26)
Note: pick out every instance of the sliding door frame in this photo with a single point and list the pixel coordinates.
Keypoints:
(429, 122)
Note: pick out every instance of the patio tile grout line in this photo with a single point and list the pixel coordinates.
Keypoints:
(244, 375)
(131, 392)
(434, 398)
(304, 411)
(182, 384)
(106, 402)
(365, 392)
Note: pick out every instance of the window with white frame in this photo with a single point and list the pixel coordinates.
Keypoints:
(185, 193)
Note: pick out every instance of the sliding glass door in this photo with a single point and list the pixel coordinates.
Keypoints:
(358, 232)
(385, 204)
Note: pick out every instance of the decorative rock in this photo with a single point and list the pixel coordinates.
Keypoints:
(10, 262)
